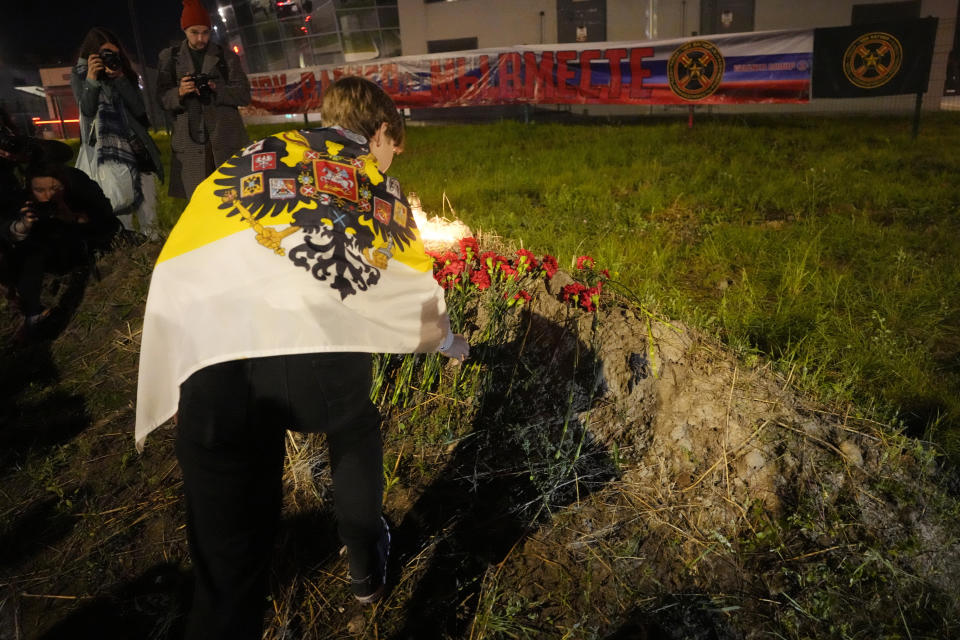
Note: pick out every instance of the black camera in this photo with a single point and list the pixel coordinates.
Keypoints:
(43, 210)
(111, 59)
(202, 82)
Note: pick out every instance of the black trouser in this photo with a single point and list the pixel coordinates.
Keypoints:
(230, 444)
(52, 247)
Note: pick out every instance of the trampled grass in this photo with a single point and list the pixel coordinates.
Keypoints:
(583, 475)
(823, 243)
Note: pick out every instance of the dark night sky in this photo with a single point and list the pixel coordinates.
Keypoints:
(48, 32)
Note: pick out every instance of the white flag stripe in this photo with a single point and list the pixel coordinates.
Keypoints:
(234, 299)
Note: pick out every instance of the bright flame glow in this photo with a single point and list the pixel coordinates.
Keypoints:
(436, 232)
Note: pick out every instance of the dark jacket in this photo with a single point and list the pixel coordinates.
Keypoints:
(222, 124)
(87, 94)
(12, 193)
(81, 195)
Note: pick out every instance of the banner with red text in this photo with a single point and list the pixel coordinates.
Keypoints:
(771, 66)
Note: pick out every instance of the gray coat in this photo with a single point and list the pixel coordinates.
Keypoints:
(87, 94)
(222, 123)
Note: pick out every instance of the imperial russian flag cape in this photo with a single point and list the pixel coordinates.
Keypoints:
(298, 244)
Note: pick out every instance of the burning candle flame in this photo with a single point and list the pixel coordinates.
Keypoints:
(436, 232)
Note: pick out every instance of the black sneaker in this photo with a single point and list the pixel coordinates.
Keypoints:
(370, 588)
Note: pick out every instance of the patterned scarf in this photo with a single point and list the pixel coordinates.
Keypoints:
(113, 135)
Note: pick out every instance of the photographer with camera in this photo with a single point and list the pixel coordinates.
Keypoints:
(201, 84)
(117, 150)
(63, 221)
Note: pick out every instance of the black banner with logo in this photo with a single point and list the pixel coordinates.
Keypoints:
(882, 59)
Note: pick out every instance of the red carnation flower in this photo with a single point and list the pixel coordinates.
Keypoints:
(487, 256)
(487, 259)
(469, 248)
(550, 266)
(590, 299)
(449, 281)
(526, 260)
(518, 298)
(454, 267)
(508, 270)
(480, 278)
(490, 260)
(582, 262)
(571, 292)
(442, 260)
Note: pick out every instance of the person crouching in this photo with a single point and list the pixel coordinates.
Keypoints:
(64, 220)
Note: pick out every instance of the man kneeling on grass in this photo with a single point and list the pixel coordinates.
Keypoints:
(293, 263)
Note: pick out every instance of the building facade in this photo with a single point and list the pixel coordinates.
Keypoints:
(293, 34)
(275, 35)
(429, 26)
(21, 96)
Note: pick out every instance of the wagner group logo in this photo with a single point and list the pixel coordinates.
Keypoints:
(872, 60)
(695, 70)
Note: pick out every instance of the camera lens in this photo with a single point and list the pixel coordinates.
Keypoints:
(110, 58)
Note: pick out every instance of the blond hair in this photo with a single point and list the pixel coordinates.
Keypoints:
(361, 106)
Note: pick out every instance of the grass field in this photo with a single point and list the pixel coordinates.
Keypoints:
(825, 244)
(602, 474)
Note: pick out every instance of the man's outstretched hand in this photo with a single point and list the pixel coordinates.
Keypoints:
(459, 350)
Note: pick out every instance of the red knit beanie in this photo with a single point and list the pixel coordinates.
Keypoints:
(194, 14)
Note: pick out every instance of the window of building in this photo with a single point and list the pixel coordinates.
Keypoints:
(729, 16)
(293, 28)
(262, 10)
(243, 14)
(885, 12)
(581, 20)
(451, 44)
(250, 36)
(358, 20)
(323, 19)
(286, 8)
(360, 45)
(269, 32)
(325, 45)
(389, 17)
(283, 34)
(253, 55)
(391, 46)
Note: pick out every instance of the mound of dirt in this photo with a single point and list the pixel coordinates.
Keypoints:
(735, 487)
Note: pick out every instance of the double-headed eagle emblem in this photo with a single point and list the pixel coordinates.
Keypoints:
(346, 217)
